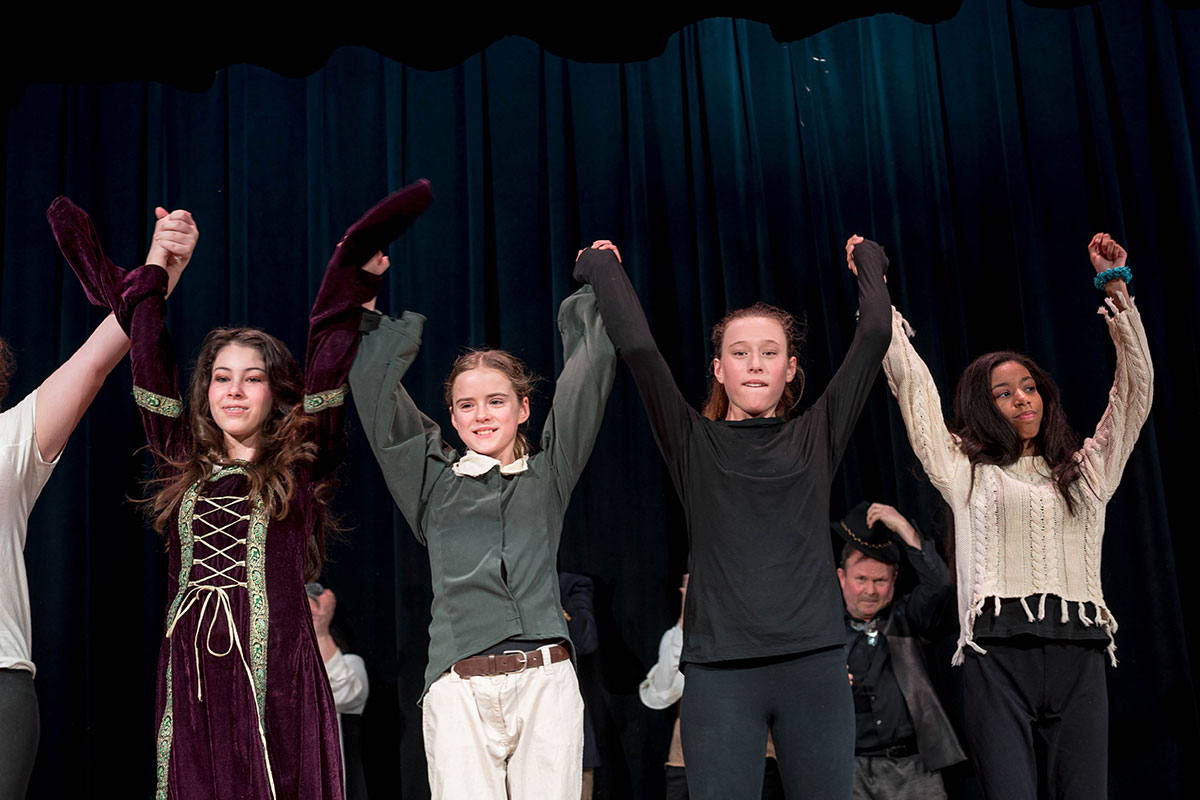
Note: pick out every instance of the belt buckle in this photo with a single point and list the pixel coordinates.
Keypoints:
(522, 655)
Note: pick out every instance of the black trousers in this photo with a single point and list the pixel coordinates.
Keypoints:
(20, 726)
(772, 785)
(804, 699)
(1030, 696)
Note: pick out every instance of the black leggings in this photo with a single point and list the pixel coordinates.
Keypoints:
(804, 699)
(18, 744)
(1055, 691)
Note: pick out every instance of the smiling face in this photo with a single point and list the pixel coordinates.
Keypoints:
(486, 412)
(239, 398)
(867, 585)
(754, 367)
(1016, 396)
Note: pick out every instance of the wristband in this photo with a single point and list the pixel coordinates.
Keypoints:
(1115, 273)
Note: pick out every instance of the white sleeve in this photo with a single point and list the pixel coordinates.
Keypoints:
(348, 680)
(921, 407)
(1108, 449)
(663, 685)
(23, 471)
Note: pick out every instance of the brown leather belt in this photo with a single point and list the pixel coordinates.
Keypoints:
(508, 661)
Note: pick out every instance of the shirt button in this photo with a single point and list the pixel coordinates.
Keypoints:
(873, 698)
(878, 722)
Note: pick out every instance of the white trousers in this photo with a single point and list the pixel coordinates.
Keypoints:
(505, 736)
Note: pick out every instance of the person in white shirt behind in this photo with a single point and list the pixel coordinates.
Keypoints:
(33, 434)
(663, 688)
(347, 678)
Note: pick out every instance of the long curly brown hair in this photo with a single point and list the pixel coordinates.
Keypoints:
(285, 441)
(717, 405)
(8, 366)
(989, 438)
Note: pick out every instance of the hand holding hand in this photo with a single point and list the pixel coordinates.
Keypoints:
(602, 244)
(378, 264)
(864, 252)
(175, 237)
(850, 243)
(894, 521)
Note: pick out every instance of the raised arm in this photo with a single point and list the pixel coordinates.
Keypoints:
(582, 389)
(921, 407)
(843, 400)
(140, 293)
(931, 605)
(351, 282)
(406, 443)
(1132, 393)
(670, 415)
(66, 394)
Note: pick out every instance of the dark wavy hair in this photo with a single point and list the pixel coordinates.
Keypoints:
(523, 382)
(286, 441)
(717, 405)
(8, 365)
(990, 438)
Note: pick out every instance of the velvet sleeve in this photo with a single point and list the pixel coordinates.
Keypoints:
(671, 417)
(332, 345)
(582, 389)
(407, 444)
(152, 361)
(337, 311)
(1108, 449)
(138, 299)
(844, 398)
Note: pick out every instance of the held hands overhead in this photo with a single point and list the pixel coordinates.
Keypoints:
(175, 237)
(868, 253)
(376, 265)
(602, 244)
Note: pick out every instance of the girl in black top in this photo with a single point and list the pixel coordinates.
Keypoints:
(763, 620)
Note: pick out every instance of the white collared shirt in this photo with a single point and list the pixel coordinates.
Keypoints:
(475, 464)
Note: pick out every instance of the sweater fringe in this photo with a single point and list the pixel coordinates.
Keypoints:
(1102, 618)
(1028, 614)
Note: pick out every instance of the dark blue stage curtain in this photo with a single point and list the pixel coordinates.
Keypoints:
(983, 152)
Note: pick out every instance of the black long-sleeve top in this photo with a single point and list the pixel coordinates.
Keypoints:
(755, 492)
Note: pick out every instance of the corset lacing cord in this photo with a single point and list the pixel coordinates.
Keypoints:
(215, 587)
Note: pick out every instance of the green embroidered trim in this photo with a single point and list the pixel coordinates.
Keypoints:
(159, 404)
(256, 585)
(326, 399)
(186, 543)
(165, 731)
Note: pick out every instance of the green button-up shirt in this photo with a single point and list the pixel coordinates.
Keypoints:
(492, 538)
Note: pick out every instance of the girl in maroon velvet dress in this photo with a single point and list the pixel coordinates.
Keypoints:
(245, 470)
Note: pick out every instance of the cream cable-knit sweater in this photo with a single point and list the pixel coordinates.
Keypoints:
(1014, 535)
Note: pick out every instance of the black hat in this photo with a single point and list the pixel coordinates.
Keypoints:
(874, 542)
